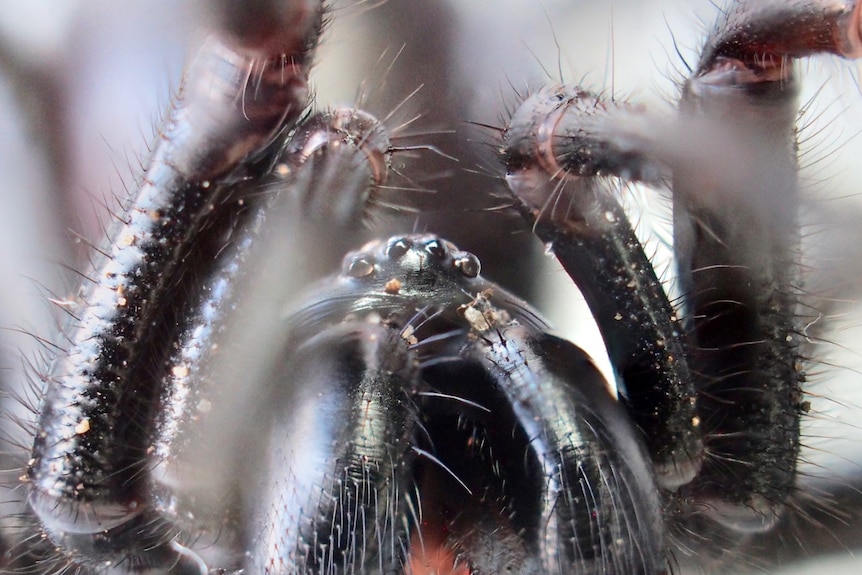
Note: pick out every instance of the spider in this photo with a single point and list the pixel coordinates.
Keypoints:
(407, 415)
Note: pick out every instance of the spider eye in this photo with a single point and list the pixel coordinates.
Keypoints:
(397, 248)
(360, 267)
(467, 264)
(436, 248)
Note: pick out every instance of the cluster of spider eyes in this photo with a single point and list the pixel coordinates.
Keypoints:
(442, 253)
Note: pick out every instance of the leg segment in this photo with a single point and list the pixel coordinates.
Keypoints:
(731, 156)
(737, 240)
(336, 486)
(86, 480)
(550, 477)
(553, 163)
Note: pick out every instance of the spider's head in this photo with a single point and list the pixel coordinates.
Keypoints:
(411, 265)
(394, 278)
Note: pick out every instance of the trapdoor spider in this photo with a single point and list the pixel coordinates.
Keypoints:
(205, 411)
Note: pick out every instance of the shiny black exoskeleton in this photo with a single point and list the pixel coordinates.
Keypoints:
(407, 416)
(421, 373)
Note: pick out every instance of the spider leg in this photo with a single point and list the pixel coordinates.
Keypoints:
(737, 239)
(731, 157)
(326, 175)
(244, 87)
(553, 163)
(551, 477)
(338, 456)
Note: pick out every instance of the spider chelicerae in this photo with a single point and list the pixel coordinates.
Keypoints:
(407, 415)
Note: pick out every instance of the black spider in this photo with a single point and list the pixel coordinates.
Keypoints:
(407, 415)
